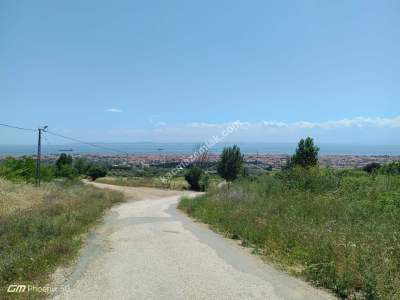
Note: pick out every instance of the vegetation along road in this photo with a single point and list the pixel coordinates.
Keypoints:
(146, 249)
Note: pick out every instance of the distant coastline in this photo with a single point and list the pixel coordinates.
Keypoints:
(187, 148)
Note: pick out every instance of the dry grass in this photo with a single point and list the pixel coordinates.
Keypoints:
(175, 183)
(43, 228)
(18, 196)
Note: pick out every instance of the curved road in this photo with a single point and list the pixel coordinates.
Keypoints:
(146, 249)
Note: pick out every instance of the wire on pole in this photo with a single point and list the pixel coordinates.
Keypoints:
(44, 129)
(40, 131)
(39, 154)
(16, 127)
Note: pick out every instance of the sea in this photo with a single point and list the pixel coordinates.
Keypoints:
(187, 148)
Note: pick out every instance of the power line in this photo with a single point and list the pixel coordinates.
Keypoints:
(39, 150)
(86, 143)
(65, 137)
(16, 127)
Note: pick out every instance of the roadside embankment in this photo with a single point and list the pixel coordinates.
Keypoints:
(337, 229)
(42, 228)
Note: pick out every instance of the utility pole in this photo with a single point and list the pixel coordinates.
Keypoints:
(39, 153)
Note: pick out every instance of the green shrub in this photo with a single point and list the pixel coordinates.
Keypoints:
(193, 176)
(392, 168)
(96, 171)
(314, 179)
(371, 167)
(24, 170)
(204, 182)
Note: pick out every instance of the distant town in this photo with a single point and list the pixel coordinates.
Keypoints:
(265, 161)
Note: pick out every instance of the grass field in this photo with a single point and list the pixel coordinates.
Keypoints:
(177, 183)
(41, 229)
(337, 229)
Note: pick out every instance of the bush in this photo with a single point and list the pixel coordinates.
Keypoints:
(24, 170)
(204, 182)
(97, 171)
(314, 179)
(193, 177)
(371, 167)
(392, 168)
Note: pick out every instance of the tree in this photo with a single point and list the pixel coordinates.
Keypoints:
(230, 163)
(371, 167)
(63, 159)
(96, 171)
(64, 166)
(306, 154)
(193, 177)
(81, 165)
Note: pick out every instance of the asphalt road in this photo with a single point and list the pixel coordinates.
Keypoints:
(146, 249)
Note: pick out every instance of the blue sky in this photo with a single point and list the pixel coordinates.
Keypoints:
(182, 70)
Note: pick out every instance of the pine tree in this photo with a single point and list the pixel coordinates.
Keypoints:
(231, 163)
(306, 154)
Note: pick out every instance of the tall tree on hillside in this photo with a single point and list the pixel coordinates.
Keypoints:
(306, 154)
(63, 159)
(64, 167)
(230, 163)
(81, 165)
